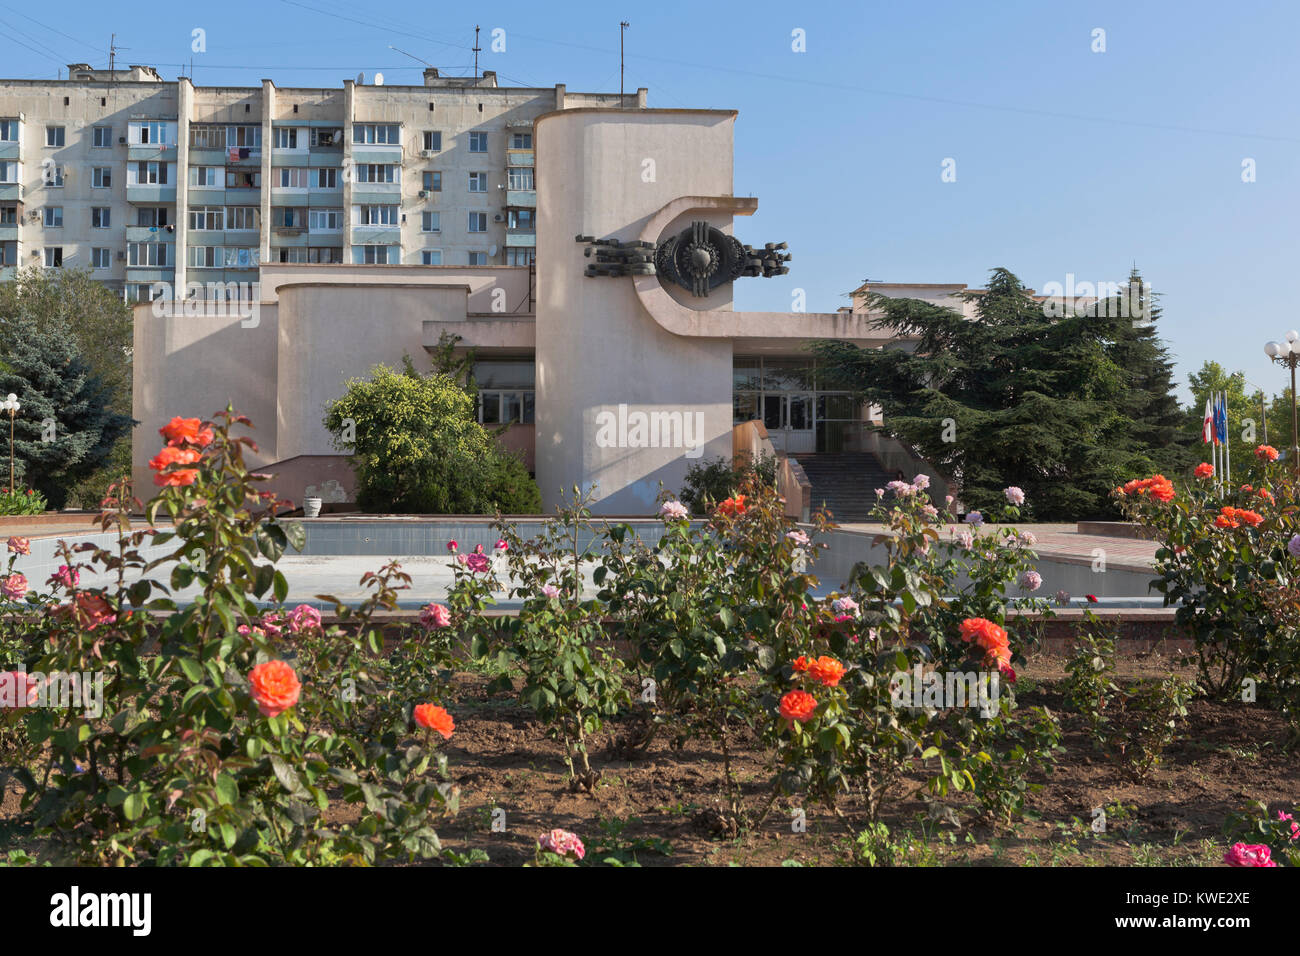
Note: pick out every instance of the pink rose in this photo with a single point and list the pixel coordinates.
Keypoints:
(68, 577)
(562, 842)
(477, 562)
(14, 587)
(1248, 854)
(502, 544)
(19, 545)
(452, 546)
(435, 615)
(303, 618)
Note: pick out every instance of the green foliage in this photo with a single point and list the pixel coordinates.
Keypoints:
(712, 480)
(21, 501)
(417, 448)
(511, 489)
(1278, 831)
(58, 389)
(1041, 402)
(1090, 688)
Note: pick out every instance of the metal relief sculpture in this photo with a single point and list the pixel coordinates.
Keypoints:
(699, 258)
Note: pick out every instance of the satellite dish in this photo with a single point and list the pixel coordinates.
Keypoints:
(379, 79)
(492, 251)
(361, 79)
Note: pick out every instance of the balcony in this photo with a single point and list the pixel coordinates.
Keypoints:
(157, 152)
(376, 235)
(520, 157)
(9, 233)
(148, 233)
(523, 198)
(373, 153)
(12, 191)
(378, 194)
(8, 150)
(203, 156)
(148, 194)
(525, 240)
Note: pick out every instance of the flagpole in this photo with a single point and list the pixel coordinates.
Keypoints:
(1227, 444)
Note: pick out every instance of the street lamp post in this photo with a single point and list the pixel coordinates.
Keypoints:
(1288, 353)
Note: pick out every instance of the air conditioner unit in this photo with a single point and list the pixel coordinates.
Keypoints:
(424, 194)
(498, 218)
(426, 153)
(121, 141)
(121, 257)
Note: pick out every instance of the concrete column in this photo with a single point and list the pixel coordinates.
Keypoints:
(348, 172)
(268, 143)
(184, 112)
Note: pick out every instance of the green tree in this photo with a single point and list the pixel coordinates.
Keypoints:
(1213, 378)
(417, 447)
(1015, 397)
(67, 428)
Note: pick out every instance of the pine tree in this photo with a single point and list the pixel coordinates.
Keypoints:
(66, 428)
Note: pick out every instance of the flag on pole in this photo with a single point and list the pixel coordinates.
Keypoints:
(1207, 426)
(1221, 420)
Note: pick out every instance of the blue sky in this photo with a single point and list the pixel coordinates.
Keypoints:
(1067, 160)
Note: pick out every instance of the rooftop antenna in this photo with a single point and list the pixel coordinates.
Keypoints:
(622, 28)
(476, 51)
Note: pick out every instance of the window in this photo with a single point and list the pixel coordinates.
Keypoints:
(377, 173)
(152, 216)
(286, 137)
(519, 177)
(52, 174)
(521, 140)
(244, 137)
(324, 254)
(375, 215)
(506, 408)
(432, 181)
(478, 182)
(147, 133)
(206, 257)
(208, 177)
(8, 172)
(524, 219)
(477, 223)
(8, 131)
(101, 137)
(374, 255)
(54, 257)
(208, 218)
(147, 174)
(430, 222)
(8, 215)
(242, 218)
(101, 177)
(288, 217)
(325, 220)
(431, 257)
(101, 217)
(377, 133)
(433, 139)
(208, 137)
(146, 254)
(326, 179)
(326, 139)
(520, 256)
(478, 142)
(290, 254)
(54, 135)
(292, 177)
(101, 258)
(53, 216)
(8, 253)
(242, 179)
(478, 258)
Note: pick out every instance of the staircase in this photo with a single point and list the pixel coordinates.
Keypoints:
(845, 483)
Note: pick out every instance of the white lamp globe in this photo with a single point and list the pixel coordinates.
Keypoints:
(11, 397)
(1272, 349)
(1292, 335)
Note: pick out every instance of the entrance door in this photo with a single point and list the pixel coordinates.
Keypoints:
(789, 422)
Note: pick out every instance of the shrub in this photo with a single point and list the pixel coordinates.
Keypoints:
(712, 480)
(511, 489)
(21, 501)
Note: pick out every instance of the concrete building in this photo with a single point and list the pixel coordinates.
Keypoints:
(616, 361)
(156, 185)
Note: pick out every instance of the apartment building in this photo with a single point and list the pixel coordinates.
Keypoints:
(150, 182)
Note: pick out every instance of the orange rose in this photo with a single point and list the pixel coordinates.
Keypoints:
(186, 431)
(1264, 495)
(798, 705)
(800, 664)
(826, 671)
(169, 457)
(1204, 470)
(1266, 452)
(732, 507)
(435, 718)
(275, 687)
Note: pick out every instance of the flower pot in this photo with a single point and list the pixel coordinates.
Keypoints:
(311, 507)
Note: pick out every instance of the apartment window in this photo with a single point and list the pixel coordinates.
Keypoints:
(243, 179)
(326, 179)
(430, 222)
(101, 137)
(101, 258)
(208, 137)
(101, 177)
(244, 137)
(149, 174)
(375, 215)
(8, 215)
(207, 176)
(506, 408)
(54, 257)
(524, 219)
(242, 218)
(477, 223)
(374, 255)
(286, 137)
(432, 181)
(101, 217)
(288, 217)
(291, 254)
(478, 182)
(326, 139)
(146, 254)
(8, 172)
(478, 142)
(478, 258)
(242, 257)
(520, 256)
(52, 175)
(208, 218)
(151, 133)
(519, 177)
(377, 173)
(8, 131)
(325, 220)
(324, 254)
(376, 133)
(431, 257)
(53, 216)
(433, 139)
(206, 257)
(152, 216)
(521, 140)
(54, 135)
(8, 253)
(293, 177)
